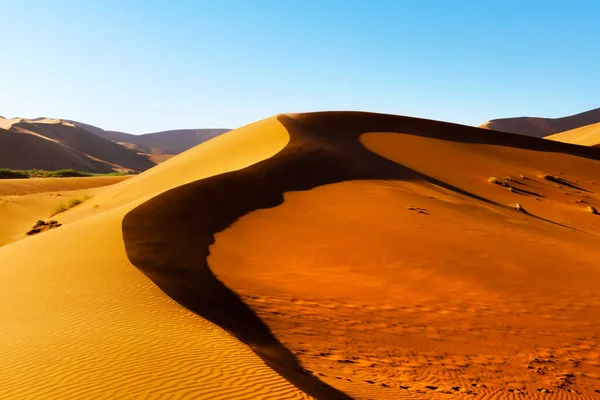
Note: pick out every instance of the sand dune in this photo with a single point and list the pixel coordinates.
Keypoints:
(56, 144)
(169, 142)
(540, 127)
(588, 135)
(358, 255)
(84, 323)
(24, 201)
(395, 278)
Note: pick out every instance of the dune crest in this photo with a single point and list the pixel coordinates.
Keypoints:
(84, 323)
(357, 254)
(541, 127)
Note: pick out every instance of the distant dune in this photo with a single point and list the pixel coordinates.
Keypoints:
(159, 143)
(50, 144)
(540, 127)
(588, 135)
(335, 255)
(56, 144)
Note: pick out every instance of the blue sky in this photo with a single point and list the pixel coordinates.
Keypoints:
(142, 66)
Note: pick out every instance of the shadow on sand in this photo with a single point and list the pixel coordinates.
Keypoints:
(168, 237)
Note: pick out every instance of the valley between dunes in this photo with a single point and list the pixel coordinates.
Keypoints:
(335, 255)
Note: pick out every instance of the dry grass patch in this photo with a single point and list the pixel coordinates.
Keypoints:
(62, 207)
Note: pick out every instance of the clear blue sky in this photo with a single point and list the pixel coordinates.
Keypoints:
(141, 66)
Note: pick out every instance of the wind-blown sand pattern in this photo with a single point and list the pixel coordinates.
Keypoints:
(80, 322)
(361, 251)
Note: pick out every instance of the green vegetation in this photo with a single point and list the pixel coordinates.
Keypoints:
(6, 173)
(62, 207)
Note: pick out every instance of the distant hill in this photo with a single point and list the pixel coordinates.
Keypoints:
(158, 143)
(540, 127)
(51, 144)
(588, 135)
(45, 143)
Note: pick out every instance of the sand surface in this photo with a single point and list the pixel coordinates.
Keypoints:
(368, 250)
(588, 135)
(25, 201)
(541, 127)
(81, 322)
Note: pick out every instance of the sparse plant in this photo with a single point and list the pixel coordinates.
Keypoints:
(517, 206)
(62, 207)
(592, 209)
(502, 182)
(41, 226)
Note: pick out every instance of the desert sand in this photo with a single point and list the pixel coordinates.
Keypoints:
(588, 135)
(53, 144)
(25, 201)
(338, 255)
(540, 127)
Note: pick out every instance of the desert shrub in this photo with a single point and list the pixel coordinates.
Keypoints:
(592, 209)
(62, 207)
(502, 182)
(6, 173)
(517, 206)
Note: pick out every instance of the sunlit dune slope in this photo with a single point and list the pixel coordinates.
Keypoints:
(25, 201)
(376, 250)
(588, 135)
(356, 254)
(79, 321)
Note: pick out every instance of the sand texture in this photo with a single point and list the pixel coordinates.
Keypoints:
(588, 135)
(335, 255)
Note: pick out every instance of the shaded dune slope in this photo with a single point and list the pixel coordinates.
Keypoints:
(22, 151)
(168, 237)
(540, 127)
(55, 144)
(157, 143)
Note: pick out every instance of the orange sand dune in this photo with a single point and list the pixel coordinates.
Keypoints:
(358, 255)
(588, 135)
(377, 252)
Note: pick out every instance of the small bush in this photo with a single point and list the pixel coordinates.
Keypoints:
(6, 173)
(502, 182)
(41, 226)
(518, 207)
(592, 210)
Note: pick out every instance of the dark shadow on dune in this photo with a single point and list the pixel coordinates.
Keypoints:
(561, 181)
(340, 121)
(168, 237)
(525, 192)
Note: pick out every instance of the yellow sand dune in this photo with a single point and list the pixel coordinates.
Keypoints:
(80, 321)
(24, 201)
(588, 135)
